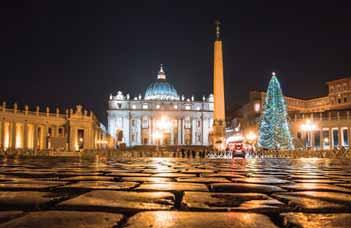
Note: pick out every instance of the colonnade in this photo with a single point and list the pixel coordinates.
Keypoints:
(326, 137)
(24, 135)
(72, 131)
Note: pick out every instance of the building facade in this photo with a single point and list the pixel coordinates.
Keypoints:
(319, 123)
(161, 117)
(73, 130)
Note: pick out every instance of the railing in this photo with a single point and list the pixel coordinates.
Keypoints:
(332, 115)
(43, 114)
(333, 154)
(186, 154)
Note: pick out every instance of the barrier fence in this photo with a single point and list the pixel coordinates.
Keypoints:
(196, 154)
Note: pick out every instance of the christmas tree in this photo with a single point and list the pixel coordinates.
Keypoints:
(274, 131)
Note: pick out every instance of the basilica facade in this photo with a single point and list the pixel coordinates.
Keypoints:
(161, 117)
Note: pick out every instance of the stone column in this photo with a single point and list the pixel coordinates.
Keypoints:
(172, 136)
(93, 142)
(139, 127)
(35, 137)
(45, 139)
(13, 135)
(25, 135)
(321, 139)
(202, 129)
(2, 134)
(193, 131)
(179, 132)
(130, 130)
(86, 139)
(91, 138)
(331, 143)
(183, 131)
(154, 141)
(72, 139)
(150, 130)
(57, 131)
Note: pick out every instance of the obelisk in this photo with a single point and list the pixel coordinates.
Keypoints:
(218, 93)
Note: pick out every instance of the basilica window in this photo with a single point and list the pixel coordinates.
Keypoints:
(133, 106)
(145, 106)
(187, 107)
(133, 123)
(133, 137)
(198, 123)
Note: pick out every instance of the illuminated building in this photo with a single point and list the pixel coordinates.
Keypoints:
(35, 130)
(319, 123)
(161, 117)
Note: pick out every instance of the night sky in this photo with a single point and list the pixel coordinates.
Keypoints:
(63, 53)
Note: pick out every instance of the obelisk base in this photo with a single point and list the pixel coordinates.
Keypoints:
(218, 135)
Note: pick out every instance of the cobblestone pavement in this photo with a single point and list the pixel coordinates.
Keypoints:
(166, 192)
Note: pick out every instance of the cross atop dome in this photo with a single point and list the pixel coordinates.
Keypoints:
(161, 73)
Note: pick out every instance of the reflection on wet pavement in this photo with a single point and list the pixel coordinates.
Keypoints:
(171, 192)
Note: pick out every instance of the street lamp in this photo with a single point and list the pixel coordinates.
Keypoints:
(251, 139)
(251, 136)
(308, 127)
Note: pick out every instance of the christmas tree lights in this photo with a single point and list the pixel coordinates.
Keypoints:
(274, 131)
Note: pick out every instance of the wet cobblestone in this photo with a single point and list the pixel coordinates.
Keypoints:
(58, 192)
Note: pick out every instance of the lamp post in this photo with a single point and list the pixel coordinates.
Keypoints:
(251, 139)
(309, 126)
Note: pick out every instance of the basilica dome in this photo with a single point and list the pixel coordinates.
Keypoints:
(161, 89)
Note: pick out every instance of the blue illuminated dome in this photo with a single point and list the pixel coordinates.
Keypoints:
(161, 89)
